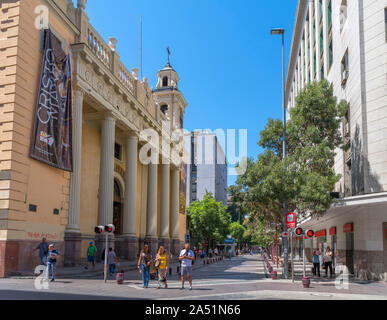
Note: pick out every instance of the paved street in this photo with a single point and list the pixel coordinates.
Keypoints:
(242, 278)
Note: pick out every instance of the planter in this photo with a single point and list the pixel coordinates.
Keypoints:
(120, 278)
(306, 282)
(274, 275)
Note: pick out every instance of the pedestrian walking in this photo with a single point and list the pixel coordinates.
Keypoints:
(316, 263)
(91, 255)
(52, 257)
(111, 261)
(210, 253)
(43, 251)
(216, 251)
(229, 253)
(328, 262)
(144, 264)
(186, 257)
(162, 262)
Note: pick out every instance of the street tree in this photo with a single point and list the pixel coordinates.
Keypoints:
(209, 220)
(305, 179)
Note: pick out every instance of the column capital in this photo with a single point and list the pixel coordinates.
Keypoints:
(131, 135)
(109, 116)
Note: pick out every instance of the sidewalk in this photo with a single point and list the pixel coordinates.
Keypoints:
(80, 271)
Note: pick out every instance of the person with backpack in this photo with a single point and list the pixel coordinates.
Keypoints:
(316, 263)
(162, 266)
(144, 263)
(111, 261)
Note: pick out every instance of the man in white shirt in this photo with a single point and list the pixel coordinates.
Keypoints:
(186, 258)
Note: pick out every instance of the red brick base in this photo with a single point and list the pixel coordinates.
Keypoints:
(17, 255)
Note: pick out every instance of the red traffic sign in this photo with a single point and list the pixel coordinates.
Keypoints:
(291, 220)
(285, 234)
(299, 231)
(310, 233)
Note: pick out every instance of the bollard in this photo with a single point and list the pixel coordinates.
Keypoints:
(306, 282)
(178, 269)
(120, 278)
(170, 271)
(204, 262)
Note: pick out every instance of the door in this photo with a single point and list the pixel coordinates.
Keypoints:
(117, 208)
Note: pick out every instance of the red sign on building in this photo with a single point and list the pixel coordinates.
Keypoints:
(321, 233)
(348, 228)
(332, 231)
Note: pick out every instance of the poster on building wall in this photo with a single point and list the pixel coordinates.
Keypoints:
(52, 132)
(183, 188)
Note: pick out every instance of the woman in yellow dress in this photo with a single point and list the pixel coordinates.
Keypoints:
(162, 265)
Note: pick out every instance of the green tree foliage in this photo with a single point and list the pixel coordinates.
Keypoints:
(306, 177)
(237, 231)
(209, 220)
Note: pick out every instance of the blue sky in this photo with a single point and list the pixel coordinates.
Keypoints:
(228, 63)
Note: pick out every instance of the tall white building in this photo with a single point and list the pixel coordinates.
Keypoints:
(345, 42)
(206, 167)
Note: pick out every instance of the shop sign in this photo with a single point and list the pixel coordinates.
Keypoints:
(332, 231)
(348, 228)
(321, 233)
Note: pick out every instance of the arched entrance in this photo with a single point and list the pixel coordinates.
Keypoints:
(117, 208)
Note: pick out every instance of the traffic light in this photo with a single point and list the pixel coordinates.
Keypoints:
(109, 228)
(299, 231)
(99, 229)
(310, 233)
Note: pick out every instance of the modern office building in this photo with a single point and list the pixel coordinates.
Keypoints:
(111, 108)
(345, 42)
(206, 167)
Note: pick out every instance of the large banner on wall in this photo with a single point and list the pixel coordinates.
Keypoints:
(52, 133)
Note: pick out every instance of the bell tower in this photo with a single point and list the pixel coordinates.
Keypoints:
(168, 96)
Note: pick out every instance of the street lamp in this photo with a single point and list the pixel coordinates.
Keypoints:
(280, 31)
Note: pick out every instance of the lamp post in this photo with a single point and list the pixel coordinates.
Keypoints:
(280, 31)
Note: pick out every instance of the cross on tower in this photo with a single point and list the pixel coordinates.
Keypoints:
(169, 53)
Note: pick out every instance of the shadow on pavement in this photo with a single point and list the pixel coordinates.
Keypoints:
(38, 295)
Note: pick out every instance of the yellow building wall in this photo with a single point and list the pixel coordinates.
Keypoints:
(32, 182)
(91, 153)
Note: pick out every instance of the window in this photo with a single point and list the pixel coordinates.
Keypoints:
(181, 122)
(344, 69)
(330, 53)
(117, 151)
(164, 109)
(165, 82)
(343, 14)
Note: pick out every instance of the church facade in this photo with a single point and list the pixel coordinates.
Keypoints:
(114, 115)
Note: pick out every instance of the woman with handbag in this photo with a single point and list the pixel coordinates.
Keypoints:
(144, 264)
(162, 266)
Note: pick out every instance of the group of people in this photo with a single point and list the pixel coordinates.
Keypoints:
(49, 255)
(327, 261)
(186, 258)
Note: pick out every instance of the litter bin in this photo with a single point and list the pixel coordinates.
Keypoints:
(120, 278)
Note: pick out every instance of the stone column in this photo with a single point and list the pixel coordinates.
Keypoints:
(175, 210)
(72, 233)
(129, 226)
(106, 173)
(151, 227)
(106, 179)
(165, 205)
